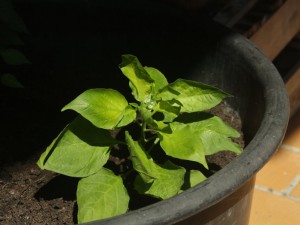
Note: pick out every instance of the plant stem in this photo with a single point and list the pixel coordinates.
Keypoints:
(153, 144)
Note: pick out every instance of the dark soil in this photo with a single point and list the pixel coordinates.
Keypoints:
(29, 195)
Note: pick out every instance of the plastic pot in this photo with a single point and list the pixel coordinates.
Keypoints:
(95, 34)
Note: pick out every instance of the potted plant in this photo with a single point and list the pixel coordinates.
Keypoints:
(168, 114)
(204, 52)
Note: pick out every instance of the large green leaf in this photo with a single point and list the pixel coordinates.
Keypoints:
(101, 196)
(80, 150)
(194, 96)
(192, 141)
(140, 80)
(160, 181)
(160, 81)
(103, 107)
(214, 134)
(182, 141)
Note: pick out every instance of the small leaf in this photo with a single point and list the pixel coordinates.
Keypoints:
(191, 179)
(183, 142)
(101, 196)
(142, 162)
(160, 81)
(14, 57)
(140, 81)
(10, 80)
(103, 107)
(160, 181)
(128, 117)
(169, 109)
(196, 177)
(80, 150)
(168, 181)
(194, 96)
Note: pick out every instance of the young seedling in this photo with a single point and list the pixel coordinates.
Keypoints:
(169, 117)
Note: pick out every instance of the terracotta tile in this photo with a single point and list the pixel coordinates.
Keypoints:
(296, 191)
(292, 136)
(270, 209)
(279, 172)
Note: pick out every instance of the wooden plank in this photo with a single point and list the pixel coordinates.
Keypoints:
(279, 30)
(293, 88)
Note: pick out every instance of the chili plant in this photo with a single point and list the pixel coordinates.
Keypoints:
(170, 117)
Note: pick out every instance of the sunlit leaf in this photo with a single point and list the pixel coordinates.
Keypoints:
(103, 107)
(183, 142)
(194, 96)
(168, 181)
(140, 81)
(193, 140)
(160, 81)
(169, 109)
(101, 196)
(80, 150)
(160, 181)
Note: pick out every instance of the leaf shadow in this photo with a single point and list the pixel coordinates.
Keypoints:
(60, 187)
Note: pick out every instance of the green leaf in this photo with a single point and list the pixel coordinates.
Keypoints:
(192, 178)
(194, 96)
(160, 181)
(168, 181)
(196, 177)
(14, 57)
(128, 117)
(183, 142)
(142, 162)
(101, 196)
(10, 80)
(160, 81)
(213, 132)
(105, 108)
(193, 140)
(147, 115)
(80, 150)
(140, 81)
(169, 109)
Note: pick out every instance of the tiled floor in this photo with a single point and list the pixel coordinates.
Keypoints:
(277, 193)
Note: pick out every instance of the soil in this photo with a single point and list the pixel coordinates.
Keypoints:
(29, 195)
